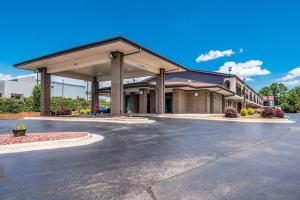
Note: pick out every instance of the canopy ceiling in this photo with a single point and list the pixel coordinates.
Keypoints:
(87, 61)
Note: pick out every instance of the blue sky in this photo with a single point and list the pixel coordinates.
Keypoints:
(260, 39)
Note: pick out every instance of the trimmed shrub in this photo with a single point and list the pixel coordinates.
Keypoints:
(85, 111)
(251, 111)
(12, 105)
(258, 111)
(287, 108)
(267, 113)
(36, 93)
(278, 113)
(244, 112)
(230, 112)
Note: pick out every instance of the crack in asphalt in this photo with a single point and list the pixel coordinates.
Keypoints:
(271, 140)
(151, 193)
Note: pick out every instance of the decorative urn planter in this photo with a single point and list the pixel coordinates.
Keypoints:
(19, 132)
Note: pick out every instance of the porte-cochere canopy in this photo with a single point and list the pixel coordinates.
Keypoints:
(112, 60)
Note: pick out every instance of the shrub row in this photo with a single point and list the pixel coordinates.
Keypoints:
(249, 111)
(272, 112)
(265, 113)
(12, 105)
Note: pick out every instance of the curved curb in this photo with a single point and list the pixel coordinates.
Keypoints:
(54, 144)
(103, 120)
(249, 120)
(236, 120)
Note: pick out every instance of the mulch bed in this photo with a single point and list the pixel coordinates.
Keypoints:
(39, 137)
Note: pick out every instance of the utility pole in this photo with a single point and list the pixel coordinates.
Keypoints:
(62, 88)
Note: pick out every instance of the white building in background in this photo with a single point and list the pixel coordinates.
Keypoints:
(22, 86)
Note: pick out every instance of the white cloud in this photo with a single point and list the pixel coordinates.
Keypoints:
(5, 76)
(290, 79)
(245, 69)
(291, 75)
(214, 54)
(291, 83)
(241, 50)
(249, 79)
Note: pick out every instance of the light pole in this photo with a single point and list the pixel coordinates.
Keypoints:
(229, 70)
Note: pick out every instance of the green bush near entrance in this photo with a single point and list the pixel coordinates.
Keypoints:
(251, 111)
(244, 112)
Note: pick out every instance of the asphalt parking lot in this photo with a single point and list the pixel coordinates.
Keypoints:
(169, 159)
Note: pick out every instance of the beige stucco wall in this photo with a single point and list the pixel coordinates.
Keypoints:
(197, 104)
(179, 99)
(217, 101)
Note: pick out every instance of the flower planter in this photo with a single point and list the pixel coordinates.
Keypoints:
(20, 132)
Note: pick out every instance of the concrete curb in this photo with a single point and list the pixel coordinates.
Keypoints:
(55, 144)
(211, 118)
(109, 120)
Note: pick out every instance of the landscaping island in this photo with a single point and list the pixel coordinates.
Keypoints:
(42, 141)
(39, 137)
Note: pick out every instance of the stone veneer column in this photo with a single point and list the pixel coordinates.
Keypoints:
(152, 97)
(160, 92)
(175, 101)
(143, 101)
(95, 96)
(45, 92)
(117, 95)
(223, 103)
(207, 102)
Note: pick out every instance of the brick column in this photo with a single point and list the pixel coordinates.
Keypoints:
(95, 96)
(175, 101)
(152, 97)
(223, 103)
(160, 92)
(117, 94)
(207, 109)
(143, 101)
(45, 92)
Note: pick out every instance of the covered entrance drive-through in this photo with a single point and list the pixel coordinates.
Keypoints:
(112, 60)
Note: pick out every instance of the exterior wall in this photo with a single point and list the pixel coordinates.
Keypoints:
(197, 104)
(134, 100)
(67, 90)
(143, 100)
(232, 81)
(217, 103)
(180, 100)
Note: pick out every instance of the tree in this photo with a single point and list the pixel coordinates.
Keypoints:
(279, 91)
(36, 95)
(265, 91)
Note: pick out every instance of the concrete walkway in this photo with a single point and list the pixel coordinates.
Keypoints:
(119, 120)
(214, 117)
